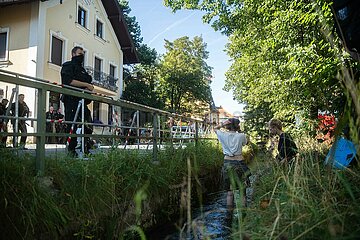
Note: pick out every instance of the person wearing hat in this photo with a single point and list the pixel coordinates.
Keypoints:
(234, 168)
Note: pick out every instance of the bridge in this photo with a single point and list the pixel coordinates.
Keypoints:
(149, 136)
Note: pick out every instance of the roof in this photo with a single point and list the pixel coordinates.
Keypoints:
(10, 2)
(224, 112)
(117, 20)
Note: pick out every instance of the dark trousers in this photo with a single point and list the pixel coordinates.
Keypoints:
(234, 171)
(50, 127)
(61, 128)
(3, 128)
(21, 129)
(70, 110)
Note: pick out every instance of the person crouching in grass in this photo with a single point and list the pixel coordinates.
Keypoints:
(286, 147)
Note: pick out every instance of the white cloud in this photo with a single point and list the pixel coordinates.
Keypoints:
(171, 27)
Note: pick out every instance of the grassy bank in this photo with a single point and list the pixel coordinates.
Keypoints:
(305, 201)
(120, 191)
(99, 198)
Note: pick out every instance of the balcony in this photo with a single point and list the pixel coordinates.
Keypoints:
(102, 79)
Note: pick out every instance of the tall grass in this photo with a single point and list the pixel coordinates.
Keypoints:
(93, 199)
(305, 200)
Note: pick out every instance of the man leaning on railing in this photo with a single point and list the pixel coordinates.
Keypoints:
(74, 74)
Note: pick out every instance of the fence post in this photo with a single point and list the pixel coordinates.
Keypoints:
(137, 128)
(155, 136)
(196, 133)
(40, 138)
(16, 128)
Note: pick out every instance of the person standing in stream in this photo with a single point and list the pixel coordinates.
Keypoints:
(234, 168)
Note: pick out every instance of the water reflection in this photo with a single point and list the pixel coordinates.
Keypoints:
(211, 221)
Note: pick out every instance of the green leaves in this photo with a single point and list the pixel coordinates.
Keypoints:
(279, 53)
(184, 75)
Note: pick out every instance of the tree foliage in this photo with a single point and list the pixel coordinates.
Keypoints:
(132, 24)
(280, 54)
(184, 75)
(255, 117)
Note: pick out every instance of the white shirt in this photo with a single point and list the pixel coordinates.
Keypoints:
(232, 142)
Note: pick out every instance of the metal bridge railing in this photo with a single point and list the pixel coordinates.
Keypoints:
(153, 135)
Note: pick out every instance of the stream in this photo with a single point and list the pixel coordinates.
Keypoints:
(210, 221)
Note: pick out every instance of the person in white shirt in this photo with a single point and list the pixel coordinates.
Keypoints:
(234, 168)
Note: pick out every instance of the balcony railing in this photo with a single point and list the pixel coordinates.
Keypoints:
(102, 79)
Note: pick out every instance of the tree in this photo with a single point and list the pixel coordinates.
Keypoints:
(256, 119)
(184, 75)
(133, 25)
(279, 54)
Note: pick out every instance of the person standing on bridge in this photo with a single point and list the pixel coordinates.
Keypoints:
(23, 111)
(50, 116)
(60, 126)
(73, 74)
(3, 122)
(234, 168)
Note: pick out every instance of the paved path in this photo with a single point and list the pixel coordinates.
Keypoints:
(55, 149)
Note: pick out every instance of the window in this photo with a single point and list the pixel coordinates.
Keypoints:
(3, 45)
(112, 75)
(97, 68)
(99, 29)
(82, 17)
(96, 111)
(110, 114)
(56, 51)
(112, 70)
(85, 57)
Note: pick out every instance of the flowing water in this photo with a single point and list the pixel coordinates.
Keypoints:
(210, 221)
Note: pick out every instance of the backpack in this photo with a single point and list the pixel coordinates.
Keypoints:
(341, 153)
(347, 22)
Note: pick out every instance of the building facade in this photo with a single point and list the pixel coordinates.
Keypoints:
(36, 37)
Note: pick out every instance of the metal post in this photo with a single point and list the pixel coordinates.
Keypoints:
(41, 127)
(130, 129)
(9, 106)
(114, 123)
(155, 136)
(171, 133)
(83, 126)
(159, 125)
(196, 133)
(16, 127)
(120, 123)
(137, 128)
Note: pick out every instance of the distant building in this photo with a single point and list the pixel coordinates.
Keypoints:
(224, 114)
(217, 115)
(36, 37)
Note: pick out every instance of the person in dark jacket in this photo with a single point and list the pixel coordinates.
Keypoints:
(3, 122)
(50, 115)
(60, 126)
(73, 74)
(23, 111)
(286, 147)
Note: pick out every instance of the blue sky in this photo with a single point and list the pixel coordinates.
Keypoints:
(158, 23)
